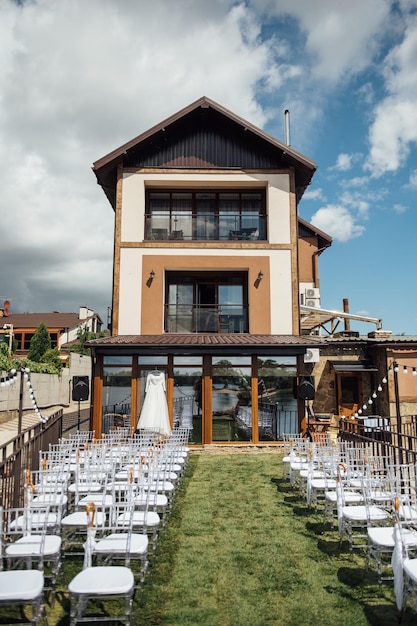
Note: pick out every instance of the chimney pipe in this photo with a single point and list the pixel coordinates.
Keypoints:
(287, 127)
(346, 310)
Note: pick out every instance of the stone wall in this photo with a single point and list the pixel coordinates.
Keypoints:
(49, 389)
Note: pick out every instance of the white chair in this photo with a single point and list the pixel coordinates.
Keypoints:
(27, 541)
(357, 518)
(99, 583)
(23, 588)
(120, 542)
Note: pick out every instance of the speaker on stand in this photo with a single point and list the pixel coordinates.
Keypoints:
(80, 392)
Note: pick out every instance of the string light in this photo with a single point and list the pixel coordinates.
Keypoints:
(6, 381)
(393, 367)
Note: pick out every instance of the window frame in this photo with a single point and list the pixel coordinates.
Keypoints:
(214, 231)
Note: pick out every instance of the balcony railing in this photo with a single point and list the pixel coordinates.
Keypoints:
(189, 318)
(205, 227)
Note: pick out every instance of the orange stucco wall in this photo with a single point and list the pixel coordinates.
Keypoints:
(153, 292)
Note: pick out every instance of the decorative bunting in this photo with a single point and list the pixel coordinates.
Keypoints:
(6, 381)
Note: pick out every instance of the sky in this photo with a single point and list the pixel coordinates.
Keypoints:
(78, 79)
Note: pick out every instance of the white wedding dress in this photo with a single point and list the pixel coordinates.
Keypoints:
(154, 413)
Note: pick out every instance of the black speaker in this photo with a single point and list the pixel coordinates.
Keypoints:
(80, 388)
(306, 389)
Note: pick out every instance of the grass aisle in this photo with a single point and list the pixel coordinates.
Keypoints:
(242, 549)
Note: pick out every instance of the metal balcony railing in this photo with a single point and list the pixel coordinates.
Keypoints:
(189, 318)
(205, 227)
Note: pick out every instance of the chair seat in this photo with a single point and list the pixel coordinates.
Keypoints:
(20, 585)
(84, 487)
(383, 536)
(50, 498)
(322, 483)
(408, 512)
(117, 543)
(102, 581)
(99, 499)
(360, 513)
(138, 519)
(36, 520)
(79, 518)
(348, 496)
(30, 545)
(153, 499)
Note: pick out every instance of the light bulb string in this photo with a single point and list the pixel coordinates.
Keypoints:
(393, 367)
(6, 381)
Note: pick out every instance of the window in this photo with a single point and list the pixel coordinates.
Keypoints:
(200, 216)
(199, 303)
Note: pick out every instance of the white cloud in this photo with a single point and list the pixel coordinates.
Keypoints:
(313, 194)
(344, 162)
(337, 221)
(394, 128)
(342, 37)
(77, 80)
(399, 208)
(413, 179)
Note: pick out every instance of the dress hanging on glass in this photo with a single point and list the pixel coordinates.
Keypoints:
(154, 413)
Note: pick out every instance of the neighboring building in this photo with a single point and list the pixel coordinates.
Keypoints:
(210, 263)
(62, 327)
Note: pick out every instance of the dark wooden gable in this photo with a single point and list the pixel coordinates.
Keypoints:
(204, 135)
(205, 138)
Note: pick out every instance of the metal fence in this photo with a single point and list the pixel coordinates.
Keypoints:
(22, 452)
(384, 438)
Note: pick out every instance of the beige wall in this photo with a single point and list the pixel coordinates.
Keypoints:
(134, 185)
(272, 303)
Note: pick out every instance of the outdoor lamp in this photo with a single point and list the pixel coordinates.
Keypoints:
(260, 276)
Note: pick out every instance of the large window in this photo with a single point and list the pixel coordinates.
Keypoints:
(199, 303)
(211, 215)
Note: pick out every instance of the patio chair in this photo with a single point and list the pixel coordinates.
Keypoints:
(22, 588)
(99, 583)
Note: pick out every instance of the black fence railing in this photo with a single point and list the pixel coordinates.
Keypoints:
(198, 318)
(382, 437)
(21, 454)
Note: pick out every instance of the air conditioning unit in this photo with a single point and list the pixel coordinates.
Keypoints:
(312, 292)
(312, 355)
(312, 302)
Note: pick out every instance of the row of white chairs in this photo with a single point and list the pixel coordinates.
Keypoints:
(372, 500)
(109, 498)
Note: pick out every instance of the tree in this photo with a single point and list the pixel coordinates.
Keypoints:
(40, 343)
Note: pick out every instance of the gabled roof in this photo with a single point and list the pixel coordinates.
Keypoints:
(175, 139)
(305, 229)
(51, 320)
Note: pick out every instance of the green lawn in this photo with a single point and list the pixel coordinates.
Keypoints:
(242, 549)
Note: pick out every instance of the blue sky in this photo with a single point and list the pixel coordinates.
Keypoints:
(78, 79)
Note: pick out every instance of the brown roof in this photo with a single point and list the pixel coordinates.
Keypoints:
(106, 167)
(51, 320)
(324, 239)
(207, 343)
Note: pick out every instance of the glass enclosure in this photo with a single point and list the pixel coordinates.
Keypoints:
(231, 400)
(188, 397)
(117, 394)
(277, 405)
